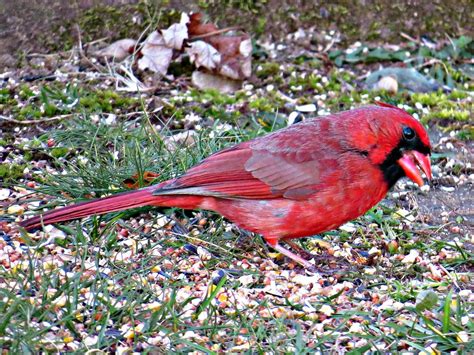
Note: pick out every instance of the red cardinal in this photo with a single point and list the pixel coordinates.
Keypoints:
(299, 181)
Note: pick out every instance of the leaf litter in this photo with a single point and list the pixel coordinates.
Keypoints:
(223, 57)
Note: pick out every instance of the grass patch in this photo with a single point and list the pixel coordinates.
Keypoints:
(140, 280)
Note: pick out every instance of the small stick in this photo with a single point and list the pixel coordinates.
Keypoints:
(28, 122)
(408, 37)
(214, 33)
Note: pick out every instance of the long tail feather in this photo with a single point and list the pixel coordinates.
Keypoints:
(118, 202)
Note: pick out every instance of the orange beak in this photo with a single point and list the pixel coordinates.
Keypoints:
(411, 163)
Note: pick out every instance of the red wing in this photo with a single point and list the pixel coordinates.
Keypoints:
(222, 174)
(289, 163)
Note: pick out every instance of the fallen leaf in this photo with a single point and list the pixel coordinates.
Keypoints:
(175, 35)
(236, 61)
(204, 55)
(231, 69)
(246, 47)
(156, 56)
(196, 28)
(211, 81)
(178, 140)
(118, 50)
(133, 182)
(228, 46)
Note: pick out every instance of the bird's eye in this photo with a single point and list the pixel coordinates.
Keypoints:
(408, 133)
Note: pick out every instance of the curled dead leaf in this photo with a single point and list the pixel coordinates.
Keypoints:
(119, 50)
(156, 56)
(236, 60)
(197, 28)
(202, 54)
(175, 35)
(246, 47)
(212, 81)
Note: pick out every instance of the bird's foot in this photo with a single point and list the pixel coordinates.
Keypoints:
(323, 263)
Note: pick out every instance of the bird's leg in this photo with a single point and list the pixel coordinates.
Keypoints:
(308, 255)
(302, 252)
(324, 259)
(273, 242)
(305, 263)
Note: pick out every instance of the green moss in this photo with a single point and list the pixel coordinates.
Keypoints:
(342, 102)
(105, 101)
(173, 112)
(260, 26)
(11, 172)
(448, 114)
(457, 95)
(4, 95)
(25, 92)
(51, 110)
(27, 156)
(213, 96)
(374, 31)
(28, 112)
(466, 133)
(59, 152)
(6, 100)
(56, 99)
(266, 70)
(430, 99)
(307, 82)
(261, 104)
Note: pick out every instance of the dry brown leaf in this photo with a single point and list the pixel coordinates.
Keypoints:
(236, 62)
(224, 85)
(119, 50)
(196, 28)
(133, 182)
(175, 35)
(236, 55)
(245, 47)
(156, 56)
(225, 55)
(202, 54)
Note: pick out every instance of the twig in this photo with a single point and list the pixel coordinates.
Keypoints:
(218, 32)
(42, 55)
(329, 46)
(87, 45)
(28, 122)
(82, 54)
(408, 37)
(285, 97)
(363, 76)
(434, 61)
(449, 275)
